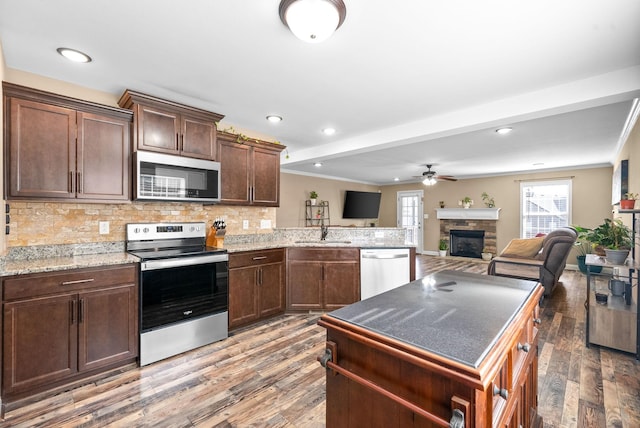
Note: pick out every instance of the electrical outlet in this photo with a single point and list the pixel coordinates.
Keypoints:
(245, 224)
(265, 224)
(104, 228)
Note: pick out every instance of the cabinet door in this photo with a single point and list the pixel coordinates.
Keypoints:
(40, 342)
(271, 288)
(341, 284)
(198, 138)
(157, 129)
(304, 285)
(108, 326)
(266, 177)
(103, 166)
(235, 172)
(42, 150)
(243, 296)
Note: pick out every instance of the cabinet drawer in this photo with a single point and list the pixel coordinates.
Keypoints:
(253, 258)
(39, 284)
(324, 254)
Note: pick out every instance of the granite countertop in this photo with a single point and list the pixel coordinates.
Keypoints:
(256, 246)
(459, 316)
(43, 260)
(48, 264)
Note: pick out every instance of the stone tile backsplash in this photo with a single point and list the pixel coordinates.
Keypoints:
(70, 225)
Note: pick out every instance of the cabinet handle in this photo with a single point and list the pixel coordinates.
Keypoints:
(79, 182)
(80, 311)
(70, 181)
(72, 311)
(260, 276)
(259, 258)
(537, 321)
(524, 347)
(77, 281)
(501, 392)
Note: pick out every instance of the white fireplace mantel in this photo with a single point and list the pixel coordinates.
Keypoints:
(468, 213)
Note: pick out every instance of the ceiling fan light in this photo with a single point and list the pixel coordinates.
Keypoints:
(429, 181)
(312, 21)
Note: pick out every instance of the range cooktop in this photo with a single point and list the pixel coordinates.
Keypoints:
(152, 241)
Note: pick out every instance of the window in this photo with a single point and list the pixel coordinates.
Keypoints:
(544, 206)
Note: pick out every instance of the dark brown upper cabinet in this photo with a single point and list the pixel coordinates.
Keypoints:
(64, 148)
(250, 171)
(168, 127)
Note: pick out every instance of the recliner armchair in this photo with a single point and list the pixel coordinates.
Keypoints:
(546, 267)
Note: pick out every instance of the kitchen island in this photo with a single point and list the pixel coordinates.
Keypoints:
(450, 347)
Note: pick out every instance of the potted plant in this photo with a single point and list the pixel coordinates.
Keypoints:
(442, 247)
(614, 237)
(486, 255)
(584, 247)
(466, 202)
(313, 197)
(629, 201)
(488, 200)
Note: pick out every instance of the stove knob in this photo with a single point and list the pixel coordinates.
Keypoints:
(145, 230)
(136, 230)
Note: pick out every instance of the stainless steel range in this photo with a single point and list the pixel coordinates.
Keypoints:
(183, 288)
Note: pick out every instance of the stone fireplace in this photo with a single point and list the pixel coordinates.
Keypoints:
(480, 220)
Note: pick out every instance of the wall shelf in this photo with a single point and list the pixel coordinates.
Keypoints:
(317, 214)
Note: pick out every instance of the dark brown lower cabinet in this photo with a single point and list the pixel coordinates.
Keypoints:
(62, 326)
(256, 286)
(321, 279)
(376, 380)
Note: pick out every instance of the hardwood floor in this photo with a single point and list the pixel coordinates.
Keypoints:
(267, 375)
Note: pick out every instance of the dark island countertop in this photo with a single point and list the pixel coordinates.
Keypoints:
(457, 315)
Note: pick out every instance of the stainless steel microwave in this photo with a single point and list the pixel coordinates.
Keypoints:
(175, 178)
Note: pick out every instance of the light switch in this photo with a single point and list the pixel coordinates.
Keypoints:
(265, 224)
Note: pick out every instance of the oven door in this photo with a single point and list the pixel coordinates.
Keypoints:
(185, 288)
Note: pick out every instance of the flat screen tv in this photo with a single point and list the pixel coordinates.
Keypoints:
(361, 204)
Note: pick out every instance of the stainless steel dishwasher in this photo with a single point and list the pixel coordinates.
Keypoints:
(382, 269)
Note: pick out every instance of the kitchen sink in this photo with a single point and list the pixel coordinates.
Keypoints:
(318, 241)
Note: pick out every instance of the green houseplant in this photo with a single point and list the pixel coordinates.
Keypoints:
(584, 247)
(442, 247)
(613, 237)
(313, 197)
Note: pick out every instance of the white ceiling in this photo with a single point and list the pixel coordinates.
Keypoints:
(404, 82)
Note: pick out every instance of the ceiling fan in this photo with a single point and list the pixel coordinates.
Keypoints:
(431, 177)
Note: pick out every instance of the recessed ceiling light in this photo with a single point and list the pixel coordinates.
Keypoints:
(317, 164)
(274, 119)
(74, 55)
(396, 179)
(328, 131)
(503, 131)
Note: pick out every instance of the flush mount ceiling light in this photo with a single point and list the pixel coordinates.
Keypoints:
(312, 21)
(328, 131)
(74, 55)
(274, 119)
(317, 164)
(504, 131)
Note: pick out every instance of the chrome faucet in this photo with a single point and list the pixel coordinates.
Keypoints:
(324, 230)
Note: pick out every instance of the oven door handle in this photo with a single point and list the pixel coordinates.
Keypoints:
(183, 261)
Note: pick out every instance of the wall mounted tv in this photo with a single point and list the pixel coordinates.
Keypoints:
(361, 204)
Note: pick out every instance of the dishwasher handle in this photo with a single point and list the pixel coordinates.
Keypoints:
(385, 256)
